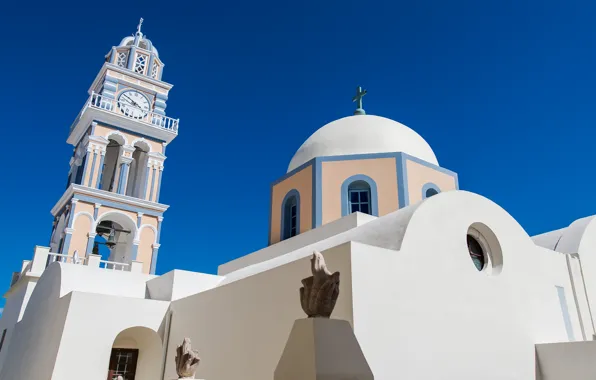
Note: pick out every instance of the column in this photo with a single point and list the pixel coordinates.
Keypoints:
(123, 174)
(154, 258)
(92, 171)
(90, 242)
(96, 210)
(100, 173)
(156, 246)
(135, 249)
(67, 239)
(159, 183)
(153, 173)
(146, 185)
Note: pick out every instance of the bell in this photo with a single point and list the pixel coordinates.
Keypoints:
(111, 242)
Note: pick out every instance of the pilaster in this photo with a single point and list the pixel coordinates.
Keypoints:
(90, 241)
(125, 163)
(154, 258)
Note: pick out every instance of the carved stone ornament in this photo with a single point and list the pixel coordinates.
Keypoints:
(187, 360)
(320, 291)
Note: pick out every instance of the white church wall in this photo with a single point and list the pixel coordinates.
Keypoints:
(16, 302)
(587, 261)
(94, 322)
(307, 238)
(241, 328)
(430, 295)
(38, 333)
(84, 278)
(178, 284)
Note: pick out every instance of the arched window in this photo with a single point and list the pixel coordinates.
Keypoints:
(137, 174)
(359, 194)
(110, 165)
(430, 189)
(290, 223)
(359, 197)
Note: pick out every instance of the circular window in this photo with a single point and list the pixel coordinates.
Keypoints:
(484, 249)
(476, 252)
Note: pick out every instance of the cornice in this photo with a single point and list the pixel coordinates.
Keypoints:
(129, 73)
(74, 189)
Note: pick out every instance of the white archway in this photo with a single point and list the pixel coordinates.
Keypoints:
(118, 137)
(140, 345)
(138, 236)
(122, 252)
(83, 213)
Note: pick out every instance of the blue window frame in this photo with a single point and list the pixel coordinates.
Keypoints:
(359, 197)
(429, 190)
(290, 222)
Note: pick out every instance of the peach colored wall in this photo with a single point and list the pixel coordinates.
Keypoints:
(302, 182)
(419, 175)
(102, 130)
(334, 173)
(148, 219)
(84, 207)
(80, 236)
(145, 248)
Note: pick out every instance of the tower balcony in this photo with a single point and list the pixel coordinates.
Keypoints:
(111, 111)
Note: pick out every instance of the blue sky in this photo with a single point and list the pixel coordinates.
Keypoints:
(502, 90)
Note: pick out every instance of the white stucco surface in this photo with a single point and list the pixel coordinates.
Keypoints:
(418, 305)
(362, 134)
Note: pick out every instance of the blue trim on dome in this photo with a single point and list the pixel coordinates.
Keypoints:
(317, 178)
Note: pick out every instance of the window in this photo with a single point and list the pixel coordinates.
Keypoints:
(430, 192)
(290, 215)
(2, 339)
(476, 252)
(140, 63)
(121, 60)
(154, 71)
(123, 362)
(359, 198)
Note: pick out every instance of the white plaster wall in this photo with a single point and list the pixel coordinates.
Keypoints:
(93, 323)
(38, 333)
(567, 361)
(425, 312)
(241, 328)
(587, 257)
(178, 284)
(16, 302)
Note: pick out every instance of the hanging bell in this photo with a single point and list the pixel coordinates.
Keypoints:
(111, 242)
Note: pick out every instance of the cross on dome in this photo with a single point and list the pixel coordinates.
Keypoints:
(358, 99)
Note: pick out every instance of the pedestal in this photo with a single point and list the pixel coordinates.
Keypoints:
(322, 349)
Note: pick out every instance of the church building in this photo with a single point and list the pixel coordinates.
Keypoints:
(436, 282)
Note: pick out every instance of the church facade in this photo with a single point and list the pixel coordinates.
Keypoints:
(437, 283)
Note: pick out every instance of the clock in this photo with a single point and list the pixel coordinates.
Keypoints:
(133, 104)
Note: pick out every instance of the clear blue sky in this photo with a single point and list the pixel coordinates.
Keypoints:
(502, 90)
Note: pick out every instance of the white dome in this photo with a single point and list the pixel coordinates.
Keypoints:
(362, 134)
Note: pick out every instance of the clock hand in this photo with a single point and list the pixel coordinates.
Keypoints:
(132, 101)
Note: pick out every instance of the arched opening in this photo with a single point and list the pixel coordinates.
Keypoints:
(137, 175)
(430, 192)
(110, 164)
(359, 197)
(136, 355)
(290, 222)
(115, 235)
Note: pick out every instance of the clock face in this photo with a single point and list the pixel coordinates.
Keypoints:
(133, 104)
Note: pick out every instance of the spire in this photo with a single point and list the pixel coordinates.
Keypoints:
(358, 99)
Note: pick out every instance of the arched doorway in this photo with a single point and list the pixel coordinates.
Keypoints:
(136, 355)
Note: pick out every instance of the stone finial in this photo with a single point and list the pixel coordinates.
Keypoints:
(320, 291)
(187, 360)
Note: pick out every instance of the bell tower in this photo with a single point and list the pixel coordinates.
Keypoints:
(111, 202)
